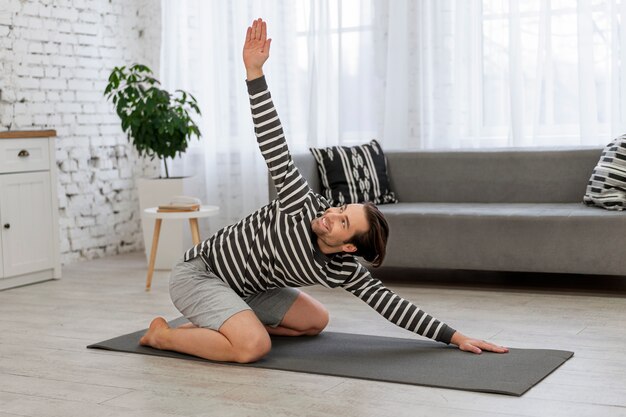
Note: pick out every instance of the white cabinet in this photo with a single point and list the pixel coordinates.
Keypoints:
(29, 235)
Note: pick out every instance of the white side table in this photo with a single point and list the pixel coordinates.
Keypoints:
(193, 216)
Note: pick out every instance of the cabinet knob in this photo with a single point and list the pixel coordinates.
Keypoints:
(23, 153)
(7, 226)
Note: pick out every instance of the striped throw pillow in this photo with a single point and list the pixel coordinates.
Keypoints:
(607, 185)
(354, 174)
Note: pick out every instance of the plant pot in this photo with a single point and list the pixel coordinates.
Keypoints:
(175, 237)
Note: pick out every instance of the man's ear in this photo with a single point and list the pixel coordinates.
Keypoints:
(348, 247)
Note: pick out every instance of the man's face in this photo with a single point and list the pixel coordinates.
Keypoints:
(338, 225)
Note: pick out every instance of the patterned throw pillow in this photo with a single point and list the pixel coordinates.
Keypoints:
(607, 185)
(354, 174)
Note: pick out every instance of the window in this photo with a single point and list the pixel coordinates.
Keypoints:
(550, 65)
(336, 45)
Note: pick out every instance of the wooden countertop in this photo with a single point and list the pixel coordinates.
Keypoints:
(19, 134)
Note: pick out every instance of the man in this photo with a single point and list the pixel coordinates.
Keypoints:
(236, 288)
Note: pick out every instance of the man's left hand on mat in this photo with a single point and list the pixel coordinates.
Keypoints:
(477, 346)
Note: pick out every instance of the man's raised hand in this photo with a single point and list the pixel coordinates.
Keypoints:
(256, 49)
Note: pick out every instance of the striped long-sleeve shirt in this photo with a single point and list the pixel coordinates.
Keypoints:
(276, 247)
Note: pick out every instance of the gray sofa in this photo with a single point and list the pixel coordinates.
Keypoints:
(496, 210)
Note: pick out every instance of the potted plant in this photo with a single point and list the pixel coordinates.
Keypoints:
(159, 125)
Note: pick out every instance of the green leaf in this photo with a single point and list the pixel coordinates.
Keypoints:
(157, 123)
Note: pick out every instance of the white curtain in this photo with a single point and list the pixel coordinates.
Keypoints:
(318, 73)
(413, 74)
(493, 73)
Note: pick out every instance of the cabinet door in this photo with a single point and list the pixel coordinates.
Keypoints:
(26, 222)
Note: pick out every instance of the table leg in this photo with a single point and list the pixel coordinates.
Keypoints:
(153, 252)
(195, 231)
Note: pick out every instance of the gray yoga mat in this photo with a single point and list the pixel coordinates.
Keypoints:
(389, 359)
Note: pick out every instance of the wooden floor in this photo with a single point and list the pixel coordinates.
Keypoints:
(45, 369)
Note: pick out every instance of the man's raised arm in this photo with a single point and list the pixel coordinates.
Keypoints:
(291, 187)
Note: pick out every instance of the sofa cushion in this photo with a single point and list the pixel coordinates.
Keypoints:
(354, 174)
(529, 175)
(532, 237)
(607, 185)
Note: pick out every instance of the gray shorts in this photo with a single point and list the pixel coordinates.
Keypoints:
(206, 301)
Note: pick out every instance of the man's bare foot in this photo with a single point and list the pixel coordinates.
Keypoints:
(187, 326)
(152, 337)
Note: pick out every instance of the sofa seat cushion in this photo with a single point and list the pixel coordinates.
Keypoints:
(552, 237)
(499, 209)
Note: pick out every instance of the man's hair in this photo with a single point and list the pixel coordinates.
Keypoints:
(372, 245)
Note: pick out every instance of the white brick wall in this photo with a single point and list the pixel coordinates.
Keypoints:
(55, 58)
